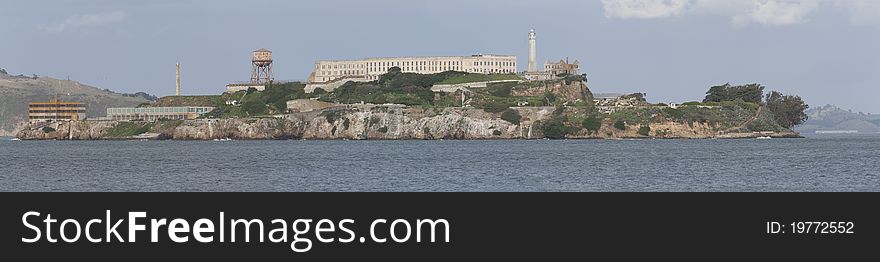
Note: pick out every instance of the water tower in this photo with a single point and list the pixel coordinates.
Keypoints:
(262, 67)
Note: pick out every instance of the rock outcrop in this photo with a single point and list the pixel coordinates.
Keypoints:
(377, 122)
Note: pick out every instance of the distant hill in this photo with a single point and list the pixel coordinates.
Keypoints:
(829, 117)
(17, 91)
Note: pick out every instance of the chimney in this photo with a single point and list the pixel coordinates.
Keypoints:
(177, 93)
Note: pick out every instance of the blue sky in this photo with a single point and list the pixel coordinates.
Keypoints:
(827, 51)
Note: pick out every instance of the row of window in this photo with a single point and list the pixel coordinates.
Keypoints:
(57, 111)
(374, 66)
(560, 66)
(472, 70)
(56, 106)
(158, 110)
(53, 117)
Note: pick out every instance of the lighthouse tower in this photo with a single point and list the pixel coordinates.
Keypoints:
(533, 64)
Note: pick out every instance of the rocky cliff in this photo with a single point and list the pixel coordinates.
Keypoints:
(377, 122)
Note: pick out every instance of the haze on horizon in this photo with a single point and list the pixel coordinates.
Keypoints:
(823, 50)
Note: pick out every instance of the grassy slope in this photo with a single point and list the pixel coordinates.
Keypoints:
(469, 78)
(16, 92)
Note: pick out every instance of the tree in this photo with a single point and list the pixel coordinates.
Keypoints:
(254, 107)
(752, 93)
(620, 125)
(644, 130)
(788, 111)
(391, 74)
(554, 129)
(511, 116)
(592, 124)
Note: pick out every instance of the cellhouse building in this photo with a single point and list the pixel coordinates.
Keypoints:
(371, 68)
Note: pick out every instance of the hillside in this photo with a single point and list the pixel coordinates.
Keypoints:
(831, 117)
(17, 91)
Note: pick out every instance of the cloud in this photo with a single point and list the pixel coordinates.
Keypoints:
(777, 12)
(743, 12)
(643, 8)
(88, 20)
(864, 12)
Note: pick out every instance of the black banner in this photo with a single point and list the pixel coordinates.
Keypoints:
(495, 226)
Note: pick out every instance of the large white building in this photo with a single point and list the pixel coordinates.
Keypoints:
(372, 68)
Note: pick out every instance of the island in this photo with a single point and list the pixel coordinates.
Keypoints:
(446, 105)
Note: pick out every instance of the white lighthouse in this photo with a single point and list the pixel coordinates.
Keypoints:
(533, 64)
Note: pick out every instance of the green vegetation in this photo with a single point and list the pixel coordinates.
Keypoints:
(372, 121)
(126, 129)
(384, 129)
(470, 78)
(555, 129)
(253, 107)
(620, 125)
(495, 107)
(47, 129)
(644, 130)
(788, 111)
(496, 132)
(390, 91)
(592, 124)
(511, 116)
(168, 124)
(568, 79)
(749, 93)
(501, 89)
(330, 115)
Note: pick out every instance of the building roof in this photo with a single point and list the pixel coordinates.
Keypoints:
(57, 103)
(262, 50)
(422, 57)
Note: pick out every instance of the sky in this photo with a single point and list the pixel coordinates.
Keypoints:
(826, 51)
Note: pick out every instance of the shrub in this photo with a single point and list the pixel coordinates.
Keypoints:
(620, 125)
(48, 129)
(511, 116)
(495, 107)
(496, 133)
(555, 129)
(672, 113)
(330, 115)
(124, 129)
(254, 107)
(592, 124)
(550, 98)
(383, 129)
(644, 130)
(346, 123)
(500, 90)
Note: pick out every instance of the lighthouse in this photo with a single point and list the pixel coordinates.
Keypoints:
(533, 64)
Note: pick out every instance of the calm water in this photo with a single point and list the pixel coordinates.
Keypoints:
(828, 163)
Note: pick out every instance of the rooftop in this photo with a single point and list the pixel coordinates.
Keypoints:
(421, 57)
